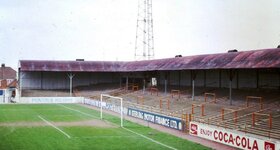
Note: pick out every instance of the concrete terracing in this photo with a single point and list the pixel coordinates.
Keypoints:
(251, 117)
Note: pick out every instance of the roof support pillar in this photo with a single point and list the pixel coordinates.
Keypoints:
(179, 78)
(126, 85)
(237, 79)
(193, 76)
(144, 81)
(231, 75)
(230, 91)
(193, 89)
(258, 78)
(204, 77)
(71, 76)
(41, 77)
(144, 85)
(220, 78)
(279, 79)
(120, 81)
(165, 83)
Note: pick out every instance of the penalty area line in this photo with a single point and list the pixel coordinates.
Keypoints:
(54, 126)
(150, 139)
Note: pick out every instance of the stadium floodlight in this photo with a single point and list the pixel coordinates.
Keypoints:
(112, 97)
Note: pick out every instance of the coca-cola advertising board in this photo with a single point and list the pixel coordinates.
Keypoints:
(232, 138)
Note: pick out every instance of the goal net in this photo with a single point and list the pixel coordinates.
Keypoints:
(111, 103)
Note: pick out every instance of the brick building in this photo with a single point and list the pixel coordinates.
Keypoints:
(7, 77)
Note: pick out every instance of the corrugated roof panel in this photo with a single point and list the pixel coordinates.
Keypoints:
(266, 58)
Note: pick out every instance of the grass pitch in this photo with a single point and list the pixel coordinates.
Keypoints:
(72, 126)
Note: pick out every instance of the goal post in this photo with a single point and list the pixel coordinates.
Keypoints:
(113, 97)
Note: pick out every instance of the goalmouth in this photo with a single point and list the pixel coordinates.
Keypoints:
(112, 97)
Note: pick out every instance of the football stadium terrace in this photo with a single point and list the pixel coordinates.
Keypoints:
(235, 93)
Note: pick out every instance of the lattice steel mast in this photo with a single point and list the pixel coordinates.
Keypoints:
(144, 43)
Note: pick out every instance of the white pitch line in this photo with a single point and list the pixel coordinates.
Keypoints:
(150, 139)
(124, 128)
(78, 111)
(54, 126)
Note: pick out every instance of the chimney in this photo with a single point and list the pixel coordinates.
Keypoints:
(3, 65)
(232, 51)
(80, 59)
(278, 46)
(178, 56)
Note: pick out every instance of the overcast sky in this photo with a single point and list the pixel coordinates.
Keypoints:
(105, 29)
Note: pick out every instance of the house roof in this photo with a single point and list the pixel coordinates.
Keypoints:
(265, 58)
(7, 73)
